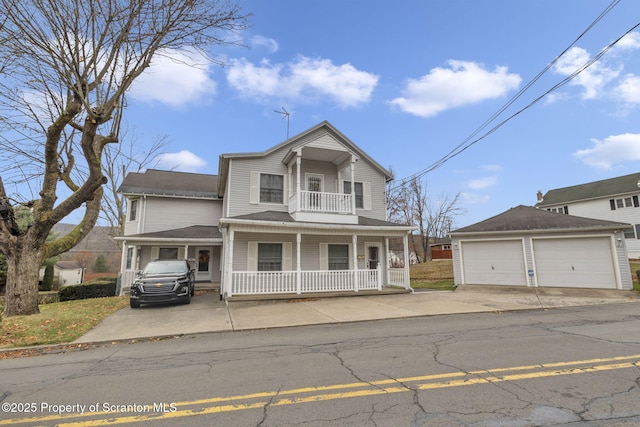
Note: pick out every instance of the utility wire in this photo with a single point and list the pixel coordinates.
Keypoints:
(466, 144)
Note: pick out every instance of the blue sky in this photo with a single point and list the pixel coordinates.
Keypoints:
(408, 81)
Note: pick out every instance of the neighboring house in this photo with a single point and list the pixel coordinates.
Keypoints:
(526, 246)
(66, 273)
(615, 199)
(307, 215)
(441, 249)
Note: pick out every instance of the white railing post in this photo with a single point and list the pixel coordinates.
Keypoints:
(379, 276)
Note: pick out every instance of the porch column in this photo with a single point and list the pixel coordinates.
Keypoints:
(388, 261)
(123, 265)
(186, 252)
(354, 243)
(298, 265)
(405, 242)
(228, 264)
(298, 185)
(353, 185)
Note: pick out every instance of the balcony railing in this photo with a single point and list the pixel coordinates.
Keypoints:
(315, 201)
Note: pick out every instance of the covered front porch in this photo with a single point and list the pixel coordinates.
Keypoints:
(307, 259)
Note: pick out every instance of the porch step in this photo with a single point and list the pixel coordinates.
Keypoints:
(315, 295)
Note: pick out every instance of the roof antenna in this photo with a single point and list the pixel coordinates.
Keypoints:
(285, 114)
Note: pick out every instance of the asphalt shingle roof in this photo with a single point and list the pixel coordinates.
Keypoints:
(192, 232)
(285, 217)
(527, 218)
(592, 190)
(170, 183)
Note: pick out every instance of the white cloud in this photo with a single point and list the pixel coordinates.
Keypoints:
(630, 41)
(184, 161)
(491, 168)
(175, 78)
(591, 79)
(474, 199)
(629, 89)
(260, 41)
(482, 183)
(446, 88)
(612, 150)
(305, 79)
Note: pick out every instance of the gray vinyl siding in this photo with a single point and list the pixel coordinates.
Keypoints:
(162, 213)
(240, 183)
(238, 196)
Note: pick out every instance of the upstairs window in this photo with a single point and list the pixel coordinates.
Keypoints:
(133, 210)
(359, 190)
(626, 202)
(271, 188)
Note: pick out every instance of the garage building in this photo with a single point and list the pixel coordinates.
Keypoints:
(526, 246)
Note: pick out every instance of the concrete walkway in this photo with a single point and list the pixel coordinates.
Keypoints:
(207, 313)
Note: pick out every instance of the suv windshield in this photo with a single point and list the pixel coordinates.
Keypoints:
(165, 267)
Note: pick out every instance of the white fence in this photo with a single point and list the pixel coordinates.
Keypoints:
(280, 282)
(397, 277)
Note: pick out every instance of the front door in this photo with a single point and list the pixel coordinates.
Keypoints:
(373, 257)
(314, 185)
(204, 263)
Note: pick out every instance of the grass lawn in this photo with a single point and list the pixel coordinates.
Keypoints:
(61, 322)
(432, 275)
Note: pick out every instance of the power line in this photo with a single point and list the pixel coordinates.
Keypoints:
(465, 144)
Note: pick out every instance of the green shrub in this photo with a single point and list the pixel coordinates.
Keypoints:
(98, 288)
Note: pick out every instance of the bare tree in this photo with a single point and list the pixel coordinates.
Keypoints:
(61, 101)
(408, 202)
(119, 160)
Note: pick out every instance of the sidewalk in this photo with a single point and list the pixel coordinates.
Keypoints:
(207, 313)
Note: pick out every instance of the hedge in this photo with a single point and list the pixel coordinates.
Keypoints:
(98, 288)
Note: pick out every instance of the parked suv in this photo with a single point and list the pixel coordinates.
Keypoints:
(163, 281)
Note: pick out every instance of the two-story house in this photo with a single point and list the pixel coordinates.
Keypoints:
(615, 199)
(305, 216)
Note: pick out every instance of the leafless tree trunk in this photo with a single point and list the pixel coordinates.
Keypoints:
(61, 100)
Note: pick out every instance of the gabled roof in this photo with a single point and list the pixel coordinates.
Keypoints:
(593, 190)
(68, 265)
(527, 218)
(294, 143)
(169, 183)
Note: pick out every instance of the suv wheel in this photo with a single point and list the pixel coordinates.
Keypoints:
(187, 299)
(134, 303)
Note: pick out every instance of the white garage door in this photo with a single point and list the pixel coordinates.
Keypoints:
(575, 262)
(496, 262)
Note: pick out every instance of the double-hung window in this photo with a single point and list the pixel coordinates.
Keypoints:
(359, 190)
(269, 256)
(271, 188)
(338, 257)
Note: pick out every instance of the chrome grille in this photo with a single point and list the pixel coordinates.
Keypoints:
(158, 288)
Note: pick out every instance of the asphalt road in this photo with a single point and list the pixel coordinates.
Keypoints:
(577, 366)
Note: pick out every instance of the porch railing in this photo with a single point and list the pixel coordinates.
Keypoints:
(279, 282)
(315, 201)
(397, 277)
(127, 278)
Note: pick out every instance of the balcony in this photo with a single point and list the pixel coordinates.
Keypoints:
(318, 206)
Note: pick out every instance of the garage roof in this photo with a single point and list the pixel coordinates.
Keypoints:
(528, 218)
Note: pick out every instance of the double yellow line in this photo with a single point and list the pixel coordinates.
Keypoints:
(344, 391)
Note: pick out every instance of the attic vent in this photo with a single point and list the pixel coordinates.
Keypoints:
(638, 183)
